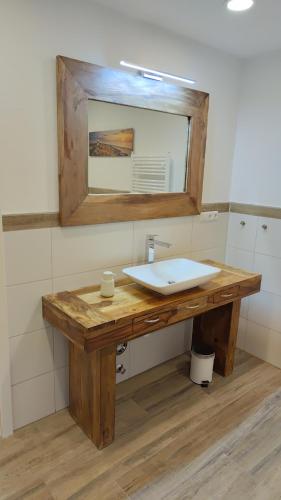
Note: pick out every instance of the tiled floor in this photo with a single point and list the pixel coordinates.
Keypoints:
(243, 465)
(164, 424)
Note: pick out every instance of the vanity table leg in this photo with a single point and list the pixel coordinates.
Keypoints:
(218, 328)
(92, 384)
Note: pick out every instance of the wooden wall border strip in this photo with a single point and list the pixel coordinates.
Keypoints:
(258, 210)
(221, 207)
(17, 222)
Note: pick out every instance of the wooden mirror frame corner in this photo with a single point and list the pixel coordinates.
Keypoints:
(77, 82)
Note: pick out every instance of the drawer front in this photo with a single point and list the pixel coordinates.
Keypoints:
(191, 307)
(152, 322)
(225, 295)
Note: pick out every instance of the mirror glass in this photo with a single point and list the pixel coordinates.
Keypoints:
(135, 150)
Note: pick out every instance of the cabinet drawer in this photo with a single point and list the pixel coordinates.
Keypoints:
(230, 293)
(191, 307)
(151, 322)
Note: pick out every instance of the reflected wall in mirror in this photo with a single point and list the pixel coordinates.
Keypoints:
(135, 150)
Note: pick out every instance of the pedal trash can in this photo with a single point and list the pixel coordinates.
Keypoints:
(202, 364)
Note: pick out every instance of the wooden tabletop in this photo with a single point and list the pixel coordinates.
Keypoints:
(86, 311)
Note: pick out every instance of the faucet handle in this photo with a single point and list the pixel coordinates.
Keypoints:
(151, 237)
(164, 244)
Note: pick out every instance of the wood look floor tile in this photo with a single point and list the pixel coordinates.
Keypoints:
(165, 426)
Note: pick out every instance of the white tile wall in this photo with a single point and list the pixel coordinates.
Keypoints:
(46, 260)
(145, 351)
(269, 240)
(208, 235)
(265, 309)
(255, 248)
(240, 258)
(210, 253)
(28, 256)
(270, 267)
(263, 343)
(31, 355)
(242, 236)
(86, 248)
(25, 306)
(33, 399)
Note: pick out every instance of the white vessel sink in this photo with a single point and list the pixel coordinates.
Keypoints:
(171, 276)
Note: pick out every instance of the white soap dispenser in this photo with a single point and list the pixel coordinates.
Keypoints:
(107, 284)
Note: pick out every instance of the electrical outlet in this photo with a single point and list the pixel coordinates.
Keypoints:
(209, 216)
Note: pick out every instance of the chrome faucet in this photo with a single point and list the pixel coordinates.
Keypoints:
(150, 244)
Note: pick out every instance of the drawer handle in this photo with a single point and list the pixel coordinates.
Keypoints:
(190, 307)
(226, 295)
(151, 321)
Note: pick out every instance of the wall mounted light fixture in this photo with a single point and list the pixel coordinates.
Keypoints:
(149, 73)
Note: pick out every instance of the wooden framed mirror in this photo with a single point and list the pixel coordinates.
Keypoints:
(130, 148)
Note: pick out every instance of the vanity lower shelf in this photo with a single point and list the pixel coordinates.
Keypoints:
(95, 325)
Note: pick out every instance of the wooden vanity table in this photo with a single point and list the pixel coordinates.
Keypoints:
(95, 325)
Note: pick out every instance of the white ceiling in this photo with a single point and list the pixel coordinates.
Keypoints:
(208, 21)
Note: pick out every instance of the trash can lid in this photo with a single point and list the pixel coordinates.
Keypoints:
(202, 349)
